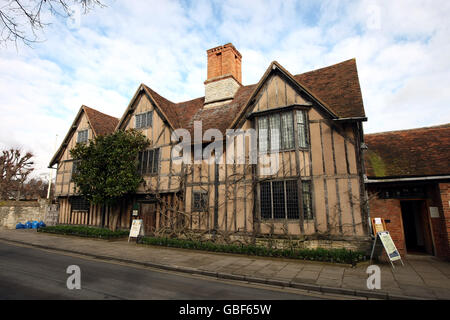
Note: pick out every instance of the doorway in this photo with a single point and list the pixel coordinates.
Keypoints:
(148, 214)
(416, 227)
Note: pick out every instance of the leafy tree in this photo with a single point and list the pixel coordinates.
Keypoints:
(106, 167)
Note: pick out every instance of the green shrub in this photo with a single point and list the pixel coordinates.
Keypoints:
(85, 231)
(319, 254)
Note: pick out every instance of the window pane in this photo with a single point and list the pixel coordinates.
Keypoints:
(150, 161)
(263, 133)
(200, 201)
(196, 200)
(292, 199)
(82, 136)
(278, 200)
(138, 121)
(307, 208)
(274, 122)
(266, 201)
(287, 134)
(204, 203)
(301, 124)
(145, 162)
(155, 161)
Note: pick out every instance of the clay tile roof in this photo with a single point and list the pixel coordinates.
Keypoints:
(408, 153)
(338, 86)
(167, 106)
(101, 123)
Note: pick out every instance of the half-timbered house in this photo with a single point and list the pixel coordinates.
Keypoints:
(314, 121)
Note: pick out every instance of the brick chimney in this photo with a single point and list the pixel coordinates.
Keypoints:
(224, 75)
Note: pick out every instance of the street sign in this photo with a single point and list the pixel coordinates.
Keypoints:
(136, 229)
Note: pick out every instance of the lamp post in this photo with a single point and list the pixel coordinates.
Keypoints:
(51, 171)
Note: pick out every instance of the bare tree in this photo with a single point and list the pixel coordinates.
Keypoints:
(36, 189)
(14, 170)
(22, 20)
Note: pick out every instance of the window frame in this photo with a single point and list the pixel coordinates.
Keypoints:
(154, 170)
(80, 202)
(202, 193)
(295, 127)
(305, 126)
(74, 168)
(287, 214)
(142, 114)
(80, 132)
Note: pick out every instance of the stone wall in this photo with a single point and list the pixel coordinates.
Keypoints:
(12, 212)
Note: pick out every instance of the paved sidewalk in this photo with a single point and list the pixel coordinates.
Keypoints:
(422, 276)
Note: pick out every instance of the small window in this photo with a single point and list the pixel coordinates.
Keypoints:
(79, 204)
(148, 161)
(200, 201)
(82, 136)
(279, 200)
(144, 120)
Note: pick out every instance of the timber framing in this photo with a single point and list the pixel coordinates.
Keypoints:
(324, 157)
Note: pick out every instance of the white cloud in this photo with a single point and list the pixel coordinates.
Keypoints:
(401, 49)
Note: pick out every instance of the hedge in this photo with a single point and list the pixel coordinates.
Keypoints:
(319, 254)
(84, 231)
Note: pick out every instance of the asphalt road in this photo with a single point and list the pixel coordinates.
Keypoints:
(31, 273)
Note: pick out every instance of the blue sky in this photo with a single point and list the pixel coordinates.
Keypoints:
(401, 49)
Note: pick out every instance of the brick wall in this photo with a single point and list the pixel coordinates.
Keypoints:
(444, 220)
(389, 209)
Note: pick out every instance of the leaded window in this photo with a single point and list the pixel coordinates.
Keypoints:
(279, 200)
(82, 136)
(79, 204)
(144, 120)
(148, 161)
(276, 131)
(200, 201)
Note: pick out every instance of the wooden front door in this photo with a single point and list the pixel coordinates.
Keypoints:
(148, 213)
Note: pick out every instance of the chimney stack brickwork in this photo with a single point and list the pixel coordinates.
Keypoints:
(224, 74)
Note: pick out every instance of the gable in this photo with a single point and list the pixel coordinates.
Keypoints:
(97, 123)
(277, 92)
(80, 123)
(159, 131)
